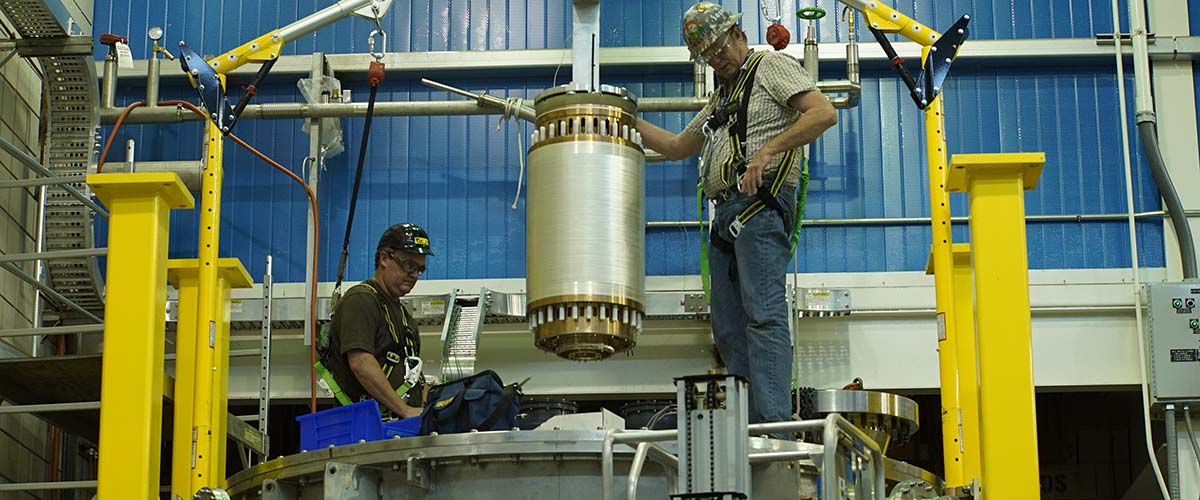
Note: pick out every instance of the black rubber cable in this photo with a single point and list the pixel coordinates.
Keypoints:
(362, 156)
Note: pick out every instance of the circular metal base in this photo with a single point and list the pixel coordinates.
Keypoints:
(535, 465)
(883, 416)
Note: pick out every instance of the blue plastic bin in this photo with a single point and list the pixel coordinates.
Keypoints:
(405, 427)
(341, 426)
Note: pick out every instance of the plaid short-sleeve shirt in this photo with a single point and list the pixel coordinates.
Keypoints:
(779, 77)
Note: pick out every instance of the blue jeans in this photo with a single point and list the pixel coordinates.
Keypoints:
(749, 303)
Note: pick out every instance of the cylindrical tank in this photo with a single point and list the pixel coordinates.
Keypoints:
(585, 223)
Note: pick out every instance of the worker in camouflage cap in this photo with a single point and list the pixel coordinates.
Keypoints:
(751, 136)
(704, 24)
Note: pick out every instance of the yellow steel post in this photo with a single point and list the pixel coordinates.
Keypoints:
(950, 367)
(996, 185)
(968, 364)
(207, 313)
(131, 392)
(182, 274)
(232, 275)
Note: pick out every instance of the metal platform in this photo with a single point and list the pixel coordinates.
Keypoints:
(76, 379)
(540, 464)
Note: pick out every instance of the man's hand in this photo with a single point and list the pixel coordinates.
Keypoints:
(407, 411)
(368, 372)
(753, 178)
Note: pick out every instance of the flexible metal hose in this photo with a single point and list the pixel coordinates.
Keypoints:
(1179, 220)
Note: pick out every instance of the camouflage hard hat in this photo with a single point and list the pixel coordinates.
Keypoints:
(704, 23)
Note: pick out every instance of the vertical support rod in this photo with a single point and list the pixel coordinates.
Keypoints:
(264, 366)
(182, 274)
(941, 259)
(316, 157)
(108, 88)
(207, 314)
(132, 375)
(152, 78)
(231, 275)
(220, 385)
(968, 367)
(1008, 419)
(39, 269)
(830, 485)
(585, 45)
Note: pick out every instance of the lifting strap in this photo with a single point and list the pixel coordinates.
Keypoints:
(375, 78)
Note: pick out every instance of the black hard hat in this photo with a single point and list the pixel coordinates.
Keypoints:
(407, 237)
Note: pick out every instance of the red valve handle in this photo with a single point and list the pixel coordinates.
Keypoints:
(111, 39)
(778, 36)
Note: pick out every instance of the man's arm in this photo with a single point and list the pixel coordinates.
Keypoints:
(672, 146)
(368, 372)
(818, 116)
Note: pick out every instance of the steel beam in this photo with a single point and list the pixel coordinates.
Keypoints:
(61, 46)
(1046, 51)
(59, 485)
(39, 181)
(46, 289)
(55, 254)
(7, 57)
(50, 408)
(32, 163)
(55, 330)
(914, 221)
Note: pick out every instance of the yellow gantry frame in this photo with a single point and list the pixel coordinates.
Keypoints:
(996, 185)
(132, 377)
(1002, 456)
(204, 448)
(956, 368)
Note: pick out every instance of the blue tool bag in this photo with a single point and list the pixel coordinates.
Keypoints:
(480, 402)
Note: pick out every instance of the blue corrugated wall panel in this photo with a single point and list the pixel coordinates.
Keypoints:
(458, 175)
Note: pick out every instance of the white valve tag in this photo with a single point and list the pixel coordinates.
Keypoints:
(124, 56)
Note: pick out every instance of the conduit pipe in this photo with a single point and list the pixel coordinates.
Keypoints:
(1133, 252)
(174, 114)
(1146, 124)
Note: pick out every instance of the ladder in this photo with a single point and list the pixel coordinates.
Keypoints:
(460, 334)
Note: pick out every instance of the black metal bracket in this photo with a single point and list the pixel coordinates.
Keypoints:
(207, 83)
(212, 93)
(928, 85)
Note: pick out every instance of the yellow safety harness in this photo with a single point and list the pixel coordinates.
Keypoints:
(733, 114)
(404, 352)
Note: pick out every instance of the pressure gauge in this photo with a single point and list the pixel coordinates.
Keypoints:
(155, 33)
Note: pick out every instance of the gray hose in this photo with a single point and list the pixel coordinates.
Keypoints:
(1183, 231)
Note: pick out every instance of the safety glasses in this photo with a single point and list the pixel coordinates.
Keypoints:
(409, 266)
(717, 48)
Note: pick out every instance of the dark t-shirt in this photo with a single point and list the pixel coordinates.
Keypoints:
(359, 324)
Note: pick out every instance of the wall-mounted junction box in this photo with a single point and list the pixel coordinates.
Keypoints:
(1173, 338)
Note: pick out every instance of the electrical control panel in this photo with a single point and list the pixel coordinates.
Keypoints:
(1173, 335)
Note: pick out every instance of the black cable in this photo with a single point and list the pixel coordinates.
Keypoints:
(898, 65)
(362, 156)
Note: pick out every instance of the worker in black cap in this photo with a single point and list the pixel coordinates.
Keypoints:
(374, 347)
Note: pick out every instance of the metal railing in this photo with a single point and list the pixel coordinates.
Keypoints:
(833, 428)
